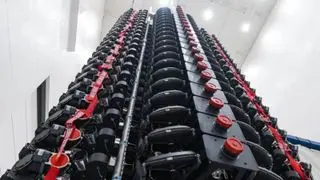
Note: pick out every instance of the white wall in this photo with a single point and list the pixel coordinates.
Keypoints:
(284, 66)
(34, 36)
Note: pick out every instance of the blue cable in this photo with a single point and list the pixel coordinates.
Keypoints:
(304, 142)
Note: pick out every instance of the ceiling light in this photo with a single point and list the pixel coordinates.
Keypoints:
(245, 27)
(207, 14)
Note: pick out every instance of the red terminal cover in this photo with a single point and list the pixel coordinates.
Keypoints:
(186, 25)
(195, 50)
(224, 121)
(206, 75)
(75, 135)
(216, 103)
(59, 161)
(233, 146)
(198, 57)
(191, 38)
(189, 33)
(188, 29)
(193, 44)
(202, 65)
(209, 87)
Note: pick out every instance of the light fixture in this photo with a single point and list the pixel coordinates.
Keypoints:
(245, 27)
(207, 14)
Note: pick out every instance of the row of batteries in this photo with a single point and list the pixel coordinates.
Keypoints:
(194, 116)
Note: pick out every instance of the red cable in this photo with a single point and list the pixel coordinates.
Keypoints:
(282, 145)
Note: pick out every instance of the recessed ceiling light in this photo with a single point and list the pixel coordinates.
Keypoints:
(207, 14)
(245, 27)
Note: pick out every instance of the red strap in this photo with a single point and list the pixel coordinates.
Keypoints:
(52, 173)
(120, 40)
(91, 107)
(97, 85)
(116, 50)
(102, 76)
(105, 66)
(66, 137)
(77, 115)
(110, 59)
(108, 63)
(282, 144)
(93, 93)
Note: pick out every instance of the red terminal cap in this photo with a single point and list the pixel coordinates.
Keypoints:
(189, 33)
(224, 121)
(198, 57)
(233, 146)
(193, 43)
(191, 38)
(195, 50)
(206, 75)
(202, 65)
(75, 135)
(59, 161)
(209, 87)
(216, 103)
(188, 29)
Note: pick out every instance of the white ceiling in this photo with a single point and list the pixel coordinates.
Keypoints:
(236, 23)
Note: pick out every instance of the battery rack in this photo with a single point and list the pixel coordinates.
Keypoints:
(159, 99)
